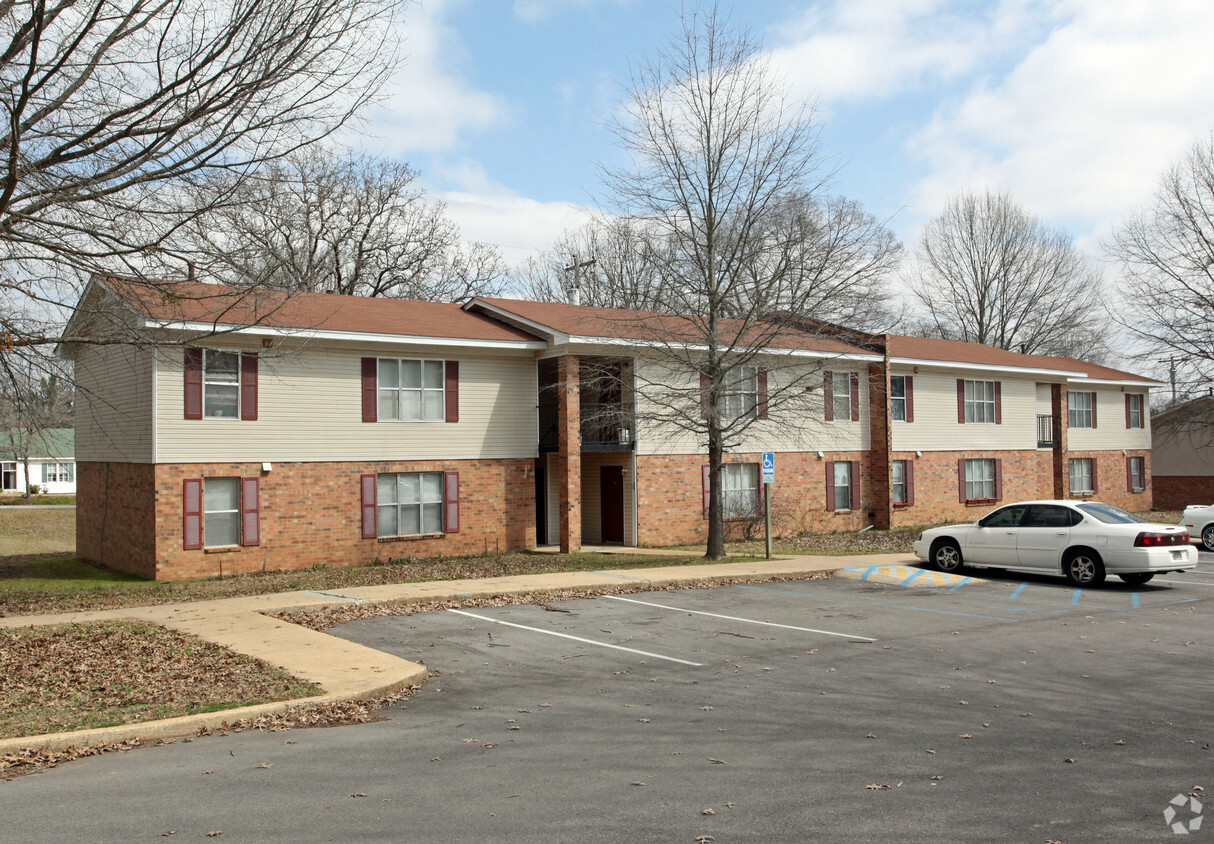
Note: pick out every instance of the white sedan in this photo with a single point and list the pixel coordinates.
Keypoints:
(1083, 540)
(1198, 520)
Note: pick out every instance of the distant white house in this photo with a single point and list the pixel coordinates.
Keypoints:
(52, 463)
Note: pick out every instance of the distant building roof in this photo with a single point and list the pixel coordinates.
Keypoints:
(51, 444)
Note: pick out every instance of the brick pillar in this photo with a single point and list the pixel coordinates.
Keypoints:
(880, 444)
(569, 453)
(1062, 477)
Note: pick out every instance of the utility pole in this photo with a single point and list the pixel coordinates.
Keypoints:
(575, 292)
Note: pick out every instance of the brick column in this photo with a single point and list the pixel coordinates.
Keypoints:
(569, 454)
(1062, 476)
(880, 445)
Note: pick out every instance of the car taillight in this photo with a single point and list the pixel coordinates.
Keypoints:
(1154, 540)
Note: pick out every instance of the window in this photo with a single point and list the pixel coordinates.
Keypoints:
(410, 503)
(8, 476)
(841, 485)
(1136, 473)
(741, 398)
(901, 398)
(221, 512)
(841, 396)
(979, 402)
(411, 390)
(1007, 517)
(980, 479)
(740, 488)
(62, 473)
(1083, 481)
(1081, 409)
(902, 482)
(1133, 411)
(220, 385)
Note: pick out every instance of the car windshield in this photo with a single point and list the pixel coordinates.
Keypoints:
(1109, 514)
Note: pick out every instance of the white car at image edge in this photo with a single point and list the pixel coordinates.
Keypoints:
(1082, 540)
(1198, 520)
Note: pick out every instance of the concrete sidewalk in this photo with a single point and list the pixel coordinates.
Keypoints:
(348, 671)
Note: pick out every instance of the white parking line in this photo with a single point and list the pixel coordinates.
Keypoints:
(1186, 582)
(734, 618)
(576, 638)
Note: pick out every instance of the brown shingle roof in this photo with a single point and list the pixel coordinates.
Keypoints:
(927, 348)
(192, 301)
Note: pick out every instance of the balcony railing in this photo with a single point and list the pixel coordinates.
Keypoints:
(605, 427)
(1045, 431)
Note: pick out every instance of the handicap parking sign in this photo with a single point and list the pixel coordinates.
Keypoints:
(769, 467)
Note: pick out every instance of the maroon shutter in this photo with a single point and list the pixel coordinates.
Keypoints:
(855, 484)
(1127, 411)
(250, 511)
(909, 475)
(762, 399)
(370, 404)
(998, 402)
(762, 490)
(961, 479)
(828, 396)
(1095, 487)
(706, 486)
(193, 383)
(854, 378)
(451, 390)
(705, 395)
(830, 485)
(1129, 472)
(999, 477)
(910, 398)
(369, 527)
(451, 501)
(192, 511)
(248, 388)
(960, 401)
(1093, 410)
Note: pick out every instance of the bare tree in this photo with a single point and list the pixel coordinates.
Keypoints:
(989, 272)
(113, 108)
(1166, 255)
(723, 185)
(321, 221)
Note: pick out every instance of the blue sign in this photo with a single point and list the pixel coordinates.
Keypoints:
(769, 467)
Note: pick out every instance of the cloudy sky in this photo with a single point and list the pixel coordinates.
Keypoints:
(1075, 107)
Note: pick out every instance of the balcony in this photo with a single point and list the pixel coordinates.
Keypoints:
(1045, 431)
(605, 427)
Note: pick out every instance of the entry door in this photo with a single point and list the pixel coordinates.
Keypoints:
(611, 493)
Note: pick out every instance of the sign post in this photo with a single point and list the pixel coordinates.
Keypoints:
(769, 475)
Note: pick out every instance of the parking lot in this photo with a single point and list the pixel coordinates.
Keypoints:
(1003, 709)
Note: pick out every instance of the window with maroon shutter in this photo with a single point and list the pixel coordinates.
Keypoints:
(1095, 482)
(451, 502)
(370, 404)
(193, 383)
(451, 388)
(830, 485)
(980, 479)
(998, 402)
(192, 514)
(999, 478)
(706, 486)
(248, 387)
(828, 396)
(854, 383)
(250, 511)
(1093, 410)
(961, 416)
(910, 398)
(902, 482)
(369, 528)
(979, 402)
(910, 475)
(761, 403)
(855, 484)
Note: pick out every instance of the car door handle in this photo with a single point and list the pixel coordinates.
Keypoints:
(1060, 533)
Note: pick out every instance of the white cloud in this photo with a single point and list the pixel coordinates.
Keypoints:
(1083, 126)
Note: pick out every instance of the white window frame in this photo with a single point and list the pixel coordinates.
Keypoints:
(425, 523)
(897, 477)
(843, 485)
(979, 402)
(1079, 409)
(58, 472)
(1079, 472)
(209, 380)
(897, 403)
(740, 490)
(209, 528)
(841, 396)
(422, 392)
(980, 479)
(1136, 420)
(1138, 474)
(741, 393)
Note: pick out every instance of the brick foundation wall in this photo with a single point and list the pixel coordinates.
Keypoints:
(1175, 492)
(115, 519)
(937, 494)
(1112, 486)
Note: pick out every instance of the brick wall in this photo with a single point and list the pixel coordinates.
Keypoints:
(937, 492)
(1112, 486)
(115, 516)
(1175, 492)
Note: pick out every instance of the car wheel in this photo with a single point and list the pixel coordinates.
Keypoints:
(946, 555)
(1207, 537)
(1083, 568)
(1137, 578)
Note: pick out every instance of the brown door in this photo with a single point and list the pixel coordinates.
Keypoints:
(611, 497)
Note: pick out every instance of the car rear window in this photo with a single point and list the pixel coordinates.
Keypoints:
(1109, 514)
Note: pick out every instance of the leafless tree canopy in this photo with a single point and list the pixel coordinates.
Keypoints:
(320, 221)
(723, 191)
(988, 272)
(113, 107)
(1166, 254)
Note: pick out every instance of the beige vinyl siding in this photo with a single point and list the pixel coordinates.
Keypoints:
(936, 427)
(310, 409)
(1110, 431)
(114, 403)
